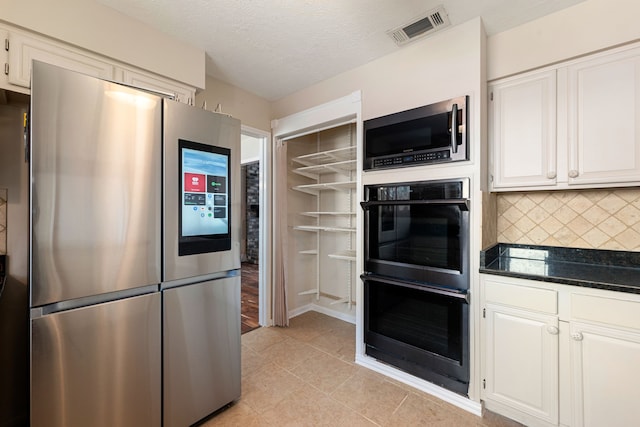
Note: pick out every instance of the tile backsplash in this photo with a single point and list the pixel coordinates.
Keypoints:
(597, 219)
(3, 221)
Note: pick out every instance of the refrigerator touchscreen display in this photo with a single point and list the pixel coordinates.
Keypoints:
(204, 198)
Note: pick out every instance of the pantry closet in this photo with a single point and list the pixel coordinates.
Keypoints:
(321, 224)
(317, 236)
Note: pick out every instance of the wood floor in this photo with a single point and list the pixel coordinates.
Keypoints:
(249, 297)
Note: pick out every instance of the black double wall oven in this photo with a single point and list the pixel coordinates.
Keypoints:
(416, 279)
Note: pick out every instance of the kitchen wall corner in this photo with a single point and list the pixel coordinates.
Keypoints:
(489, 219)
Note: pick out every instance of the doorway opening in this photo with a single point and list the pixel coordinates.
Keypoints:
(253, 236)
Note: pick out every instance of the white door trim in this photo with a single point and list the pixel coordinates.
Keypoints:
(264, 214)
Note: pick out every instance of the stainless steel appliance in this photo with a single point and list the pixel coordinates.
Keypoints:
(434, 133)
(416, 280)
(201, 262)
(418, 231)
(107, 182)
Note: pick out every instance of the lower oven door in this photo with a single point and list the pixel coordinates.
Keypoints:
(422, 330)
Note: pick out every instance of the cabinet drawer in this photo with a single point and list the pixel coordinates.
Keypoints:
(542, 300)
(611, 311)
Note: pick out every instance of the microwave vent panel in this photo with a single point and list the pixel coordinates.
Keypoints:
(434, 20)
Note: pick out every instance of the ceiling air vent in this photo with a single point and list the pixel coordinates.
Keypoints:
(432, 21)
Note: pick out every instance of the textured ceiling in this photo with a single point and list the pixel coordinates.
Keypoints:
(273, 48)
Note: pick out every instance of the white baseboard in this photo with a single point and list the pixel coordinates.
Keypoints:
(324, 310)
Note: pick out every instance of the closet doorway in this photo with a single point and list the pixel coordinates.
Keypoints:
(254, 145)
(316, 237)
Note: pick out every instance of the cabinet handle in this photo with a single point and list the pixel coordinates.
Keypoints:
(553, 330)
(573, 173)
(577, 336)
(551, 175)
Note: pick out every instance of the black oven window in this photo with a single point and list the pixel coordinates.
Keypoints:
(420, 234)
(387, 218)
(422, 319)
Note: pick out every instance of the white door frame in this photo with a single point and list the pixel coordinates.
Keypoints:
(264, 221)
(337, 112)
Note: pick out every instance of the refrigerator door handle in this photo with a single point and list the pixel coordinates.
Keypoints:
(44, 310)
(200, 278)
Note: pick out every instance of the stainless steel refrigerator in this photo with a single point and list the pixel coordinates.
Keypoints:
(134, 288)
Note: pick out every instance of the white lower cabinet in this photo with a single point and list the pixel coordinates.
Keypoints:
(526, 374)
(605, 361)
(520, 378)
(522, 368)
(606, 375)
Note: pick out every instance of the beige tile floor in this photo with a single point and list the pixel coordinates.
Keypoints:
(304, 375)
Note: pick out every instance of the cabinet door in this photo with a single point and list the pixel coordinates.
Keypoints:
(522, 131)
(606, 374)
(604, 119)
(23, 50)
(181, 93)
(521, 367)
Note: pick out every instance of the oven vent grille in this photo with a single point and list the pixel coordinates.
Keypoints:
(434, 20)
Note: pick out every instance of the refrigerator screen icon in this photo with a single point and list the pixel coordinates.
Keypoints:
(204, 181)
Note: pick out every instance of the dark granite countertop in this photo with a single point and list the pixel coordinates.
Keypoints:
(592, 268)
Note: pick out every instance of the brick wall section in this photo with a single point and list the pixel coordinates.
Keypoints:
(252, 175)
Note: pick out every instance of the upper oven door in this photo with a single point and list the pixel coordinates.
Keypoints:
(420, 240)
(427, 134)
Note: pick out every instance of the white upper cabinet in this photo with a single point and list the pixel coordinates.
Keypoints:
(523, 131)
(574, 125)
(23, 48)
(603, 130)
(181, 93)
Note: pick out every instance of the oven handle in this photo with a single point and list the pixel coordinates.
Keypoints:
(422, 287)
(462, 203)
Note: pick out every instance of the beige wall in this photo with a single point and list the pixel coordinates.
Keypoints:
(586, 27)
(97, 28)
(426, 71)
(250, 109)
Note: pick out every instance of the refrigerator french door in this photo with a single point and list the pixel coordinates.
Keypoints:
(134, 216)
(95, 252)
(201, 262)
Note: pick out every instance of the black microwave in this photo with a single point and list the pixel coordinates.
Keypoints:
(434, 133)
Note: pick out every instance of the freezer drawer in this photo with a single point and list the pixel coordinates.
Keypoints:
(201, 349)
(98, 365)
